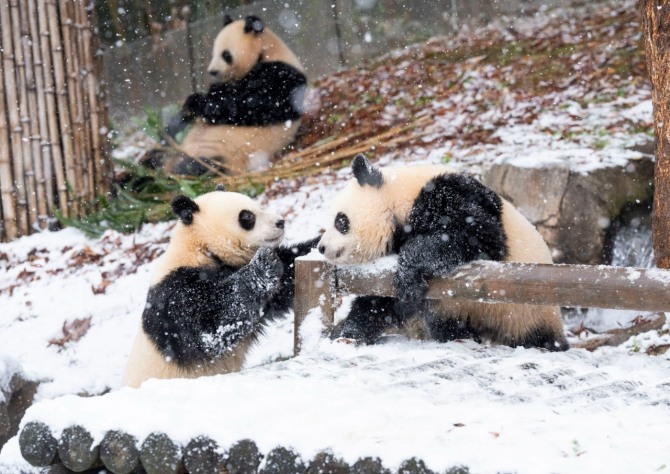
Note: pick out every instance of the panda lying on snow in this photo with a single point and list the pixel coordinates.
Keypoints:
(254, 108)
(214, 289)
(435, 219)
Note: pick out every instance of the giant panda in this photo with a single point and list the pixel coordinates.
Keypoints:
(254, 108)
(222, 277)
(435, 219)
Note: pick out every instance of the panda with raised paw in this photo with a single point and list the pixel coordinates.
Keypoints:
(221, 279)
(254, 108)
(435, 219)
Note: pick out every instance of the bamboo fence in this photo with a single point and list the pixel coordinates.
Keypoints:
(53, 150)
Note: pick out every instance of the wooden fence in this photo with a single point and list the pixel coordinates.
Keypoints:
(53, 116)
(319, 284)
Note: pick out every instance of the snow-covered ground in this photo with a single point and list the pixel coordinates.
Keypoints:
(494, 409)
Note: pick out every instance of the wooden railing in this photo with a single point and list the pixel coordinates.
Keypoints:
(319, 284)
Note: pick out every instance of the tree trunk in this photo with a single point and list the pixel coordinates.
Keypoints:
(656, 26)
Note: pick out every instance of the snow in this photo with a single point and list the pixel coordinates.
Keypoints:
(529, 411)
(574, 411)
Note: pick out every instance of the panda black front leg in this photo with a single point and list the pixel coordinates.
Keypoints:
(368, 318)
(195, 315)
(421, 257)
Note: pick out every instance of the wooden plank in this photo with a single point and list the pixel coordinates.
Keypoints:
(596, 286)
(314, 288)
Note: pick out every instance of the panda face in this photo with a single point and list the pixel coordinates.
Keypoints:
(361, 225)
(237, 49)
(230, 226)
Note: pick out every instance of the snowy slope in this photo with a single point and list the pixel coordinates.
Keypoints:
(491, 408)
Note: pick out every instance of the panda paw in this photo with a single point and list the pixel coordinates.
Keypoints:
(411, 290)
(270, 266)
(193, 106)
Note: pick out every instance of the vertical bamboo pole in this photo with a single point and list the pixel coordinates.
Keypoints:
(84, 103)
(64, 119)
(37, 211)
(45, 196)
(73, 97)
(95, 89)
(7, 107)
(54, 168)
(12, 59)
(88, 101)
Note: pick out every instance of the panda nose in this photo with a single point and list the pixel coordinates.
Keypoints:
(322, 249)
(280, 224)
(213, 72)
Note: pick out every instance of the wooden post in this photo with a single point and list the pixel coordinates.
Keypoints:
(76, 449)
(314, 288)
(37, 444)
(119, 452)
(160, 455)
(591, 286)
(656, 26)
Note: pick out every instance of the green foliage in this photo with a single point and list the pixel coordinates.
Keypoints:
(144, 198)
(151, 124)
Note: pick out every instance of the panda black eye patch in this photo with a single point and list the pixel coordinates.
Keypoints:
(247, 220)
(227, 57)
(341, 223)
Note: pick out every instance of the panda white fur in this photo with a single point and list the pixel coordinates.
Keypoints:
(220, 280)
(254, 108)
(435, 219)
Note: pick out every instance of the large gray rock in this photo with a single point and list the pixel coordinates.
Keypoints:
(573, 210)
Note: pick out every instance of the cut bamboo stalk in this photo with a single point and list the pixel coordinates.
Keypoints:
(36, 202)
(65, 121)
(45, 196)
(54, 168)
(15, 105)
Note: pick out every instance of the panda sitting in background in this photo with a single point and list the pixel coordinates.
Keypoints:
(435, 219)
(214, 289)
(254, 109)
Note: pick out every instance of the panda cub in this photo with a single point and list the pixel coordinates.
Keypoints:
(219, 282)
(254, 108)
(435, 219)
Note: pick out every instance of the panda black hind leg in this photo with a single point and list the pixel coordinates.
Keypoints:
(368, 317)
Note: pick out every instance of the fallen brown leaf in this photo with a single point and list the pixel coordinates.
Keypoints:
(72, 331)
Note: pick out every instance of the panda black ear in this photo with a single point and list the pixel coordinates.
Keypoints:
(253, 24)
(220, 187)
(184, 207)
(365, 173)
(227, 20)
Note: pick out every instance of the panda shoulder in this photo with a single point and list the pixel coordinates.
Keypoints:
(450, 187)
